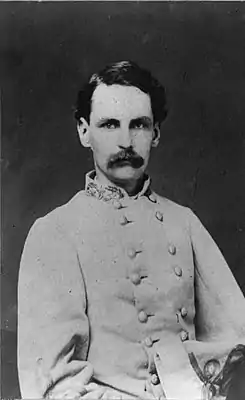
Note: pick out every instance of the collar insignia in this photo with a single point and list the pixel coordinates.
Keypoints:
(107, 193)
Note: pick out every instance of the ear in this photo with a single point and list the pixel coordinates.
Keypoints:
(156, 135)
(83, 132)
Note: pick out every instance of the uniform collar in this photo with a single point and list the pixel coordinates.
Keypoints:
(107, 192)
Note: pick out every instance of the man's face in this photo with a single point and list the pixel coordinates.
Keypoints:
(120, 132)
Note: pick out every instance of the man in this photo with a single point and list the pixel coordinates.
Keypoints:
(123, 293)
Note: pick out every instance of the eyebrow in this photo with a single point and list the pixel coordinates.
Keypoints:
(142, 120)
(105, 120)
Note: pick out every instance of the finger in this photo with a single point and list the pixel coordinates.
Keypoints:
(94, 394)
(77, 384)
(112, 395)
(75, 367)
(91, 386)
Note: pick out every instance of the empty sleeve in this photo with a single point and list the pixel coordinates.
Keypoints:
(53, 328)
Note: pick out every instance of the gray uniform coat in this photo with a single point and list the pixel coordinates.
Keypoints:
(115, 291)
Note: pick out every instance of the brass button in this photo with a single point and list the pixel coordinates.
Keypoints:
(148, 342)
(152, 198)
(131, 253)
(211, 368)
(117, 204)
(183, 312)
(159, 216)
(155, 379)
(177, 270)
(172, 249)
(135, 278)
(184, 335)
(142, 316)
(123, 220)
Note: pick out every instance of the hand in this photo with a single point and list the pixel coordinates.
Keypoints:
(92, 391)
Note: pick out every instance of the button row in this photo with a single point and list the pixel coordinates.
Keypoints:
(131, 252)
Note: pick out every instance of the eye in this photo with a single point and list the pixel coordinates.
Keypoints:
(140, 124)
(110, 125)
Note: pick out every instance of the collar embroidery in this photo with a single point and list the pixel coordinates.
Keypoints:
(107, 193)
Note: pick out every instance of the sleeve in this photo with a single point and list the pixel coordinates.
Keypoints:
(200, 367)
(220, 304)
(53, 328)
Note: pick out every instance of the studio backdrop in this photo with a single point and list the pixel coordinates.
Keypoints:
(197, 50)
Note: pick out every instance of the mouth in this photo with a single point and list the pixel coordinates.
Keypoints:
(124, 158)
(123, 162)
(132, 162)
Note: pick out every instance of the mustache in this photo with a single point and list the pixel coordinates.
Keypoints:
(128, 155)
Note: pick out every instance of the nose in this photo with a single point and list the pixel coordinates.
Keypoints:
(125, 138)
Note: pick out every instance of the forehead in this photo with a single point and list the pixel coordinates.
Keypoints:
(117, 101)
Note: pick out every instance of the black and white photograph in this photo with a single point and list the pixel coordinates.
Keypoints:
(122, 200)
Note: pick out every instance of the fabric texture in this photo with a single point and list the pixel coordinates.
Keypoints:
(116, 292)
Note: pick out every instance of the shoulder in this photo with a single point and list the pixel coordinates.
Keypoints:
(60, 220)
(179, 218)
(182, 216)
(175, 211)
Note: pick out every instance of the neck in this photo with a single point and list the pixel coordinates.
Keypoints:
(132, 187)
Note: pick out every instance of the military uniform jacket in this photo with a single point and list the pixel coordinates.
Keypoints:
(115, 292)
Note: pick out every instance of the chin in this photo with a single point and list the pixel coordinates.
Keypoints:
(126, 173)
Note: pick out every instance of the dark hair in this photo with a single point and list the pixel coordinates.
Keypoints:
(124, 73)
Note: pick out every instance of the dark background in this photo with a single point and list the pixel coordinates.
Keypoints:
(48, 49)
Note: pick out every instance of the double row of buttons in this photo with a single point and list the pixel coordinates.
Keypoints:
(142, 315)
(136, 279)
(159, 215)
